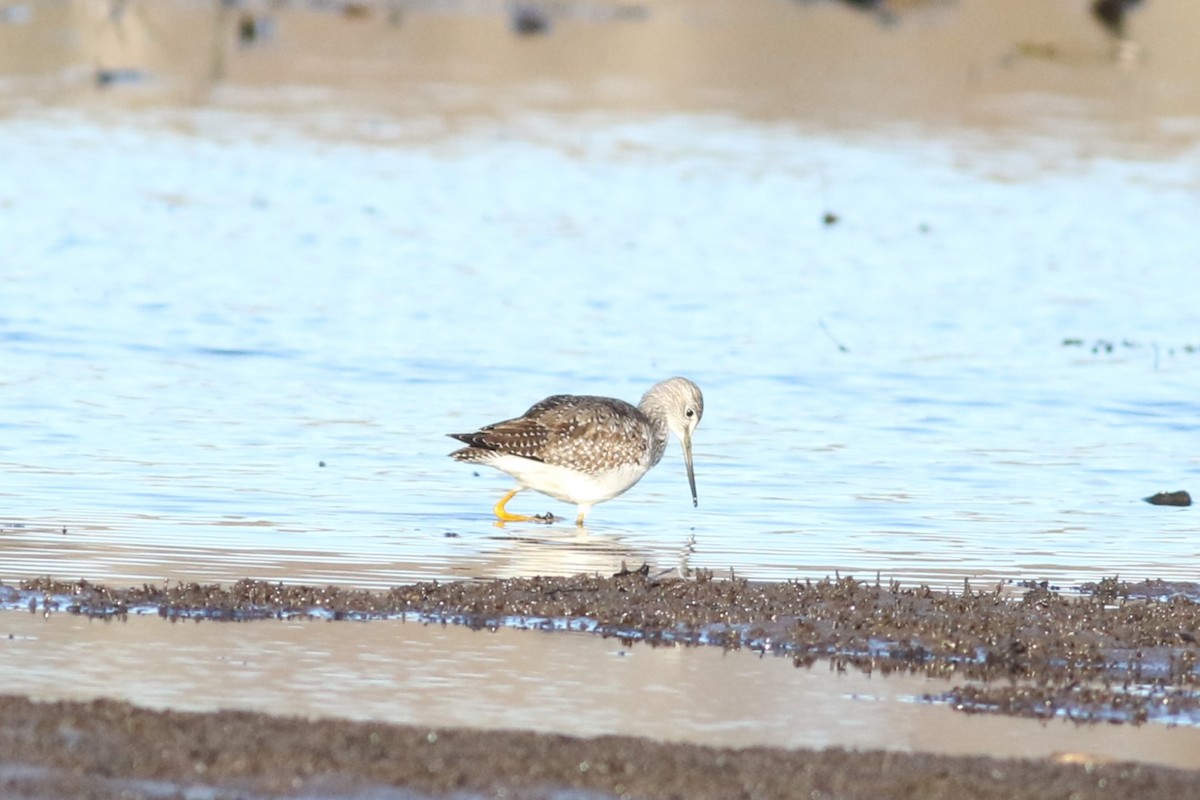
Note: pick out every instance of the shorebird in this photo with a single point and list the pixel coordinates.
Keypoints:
(583, 449)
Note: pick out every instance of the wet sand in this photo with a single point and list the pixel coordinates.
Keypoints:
(115, 750)
(107, 749)
(1041, 654)
(1117, 653)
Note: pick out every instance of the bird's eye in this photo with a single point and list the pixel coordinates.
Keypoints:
(691, 412)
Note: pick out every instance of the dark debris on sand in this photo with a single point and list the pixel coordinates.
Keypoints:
(1117, 653)
(105, 749)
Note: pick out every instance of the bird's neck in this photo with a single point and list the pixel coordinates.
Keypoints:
(658, 427)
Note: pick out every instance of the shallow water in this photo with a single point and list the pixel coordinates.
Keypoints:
(171, 391)
(188, 341)
(450, 676)
(233, 339)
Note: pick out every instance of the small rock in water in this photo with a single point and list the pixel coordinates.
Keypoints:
(1180, 498)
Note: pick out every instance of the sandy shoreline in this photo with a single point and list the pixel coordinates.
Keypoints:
(1119, 653)
(1071, 655)
(106, 749)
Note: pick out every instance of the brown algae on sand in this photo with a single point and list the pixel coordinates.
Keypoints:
(1114, 652)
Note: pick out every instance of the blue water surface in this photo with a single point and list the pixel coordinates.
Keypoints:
(230, 356)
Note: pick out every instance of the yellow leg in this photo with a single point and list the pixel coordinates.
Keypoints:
(502, 513)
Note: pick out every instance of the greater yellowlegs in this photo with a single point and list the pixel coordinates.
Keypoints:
(585, 450)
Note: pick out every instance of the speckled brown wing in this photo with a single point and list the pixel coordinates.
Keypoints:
(589, 434)
(522, 436)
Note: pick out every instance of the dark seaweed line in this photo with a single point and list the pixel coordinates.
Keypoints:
(1123, 653)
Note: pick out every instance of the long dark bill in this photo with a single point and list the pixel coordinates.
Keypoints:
(687, 460)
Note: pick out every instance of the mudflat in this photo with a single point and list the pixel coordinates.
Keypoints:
(105, 749)
(1115, 652)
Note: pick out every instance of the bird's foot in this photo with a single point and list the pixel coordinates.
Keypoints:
(504, 515)
(544, 519)
(509, 517)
